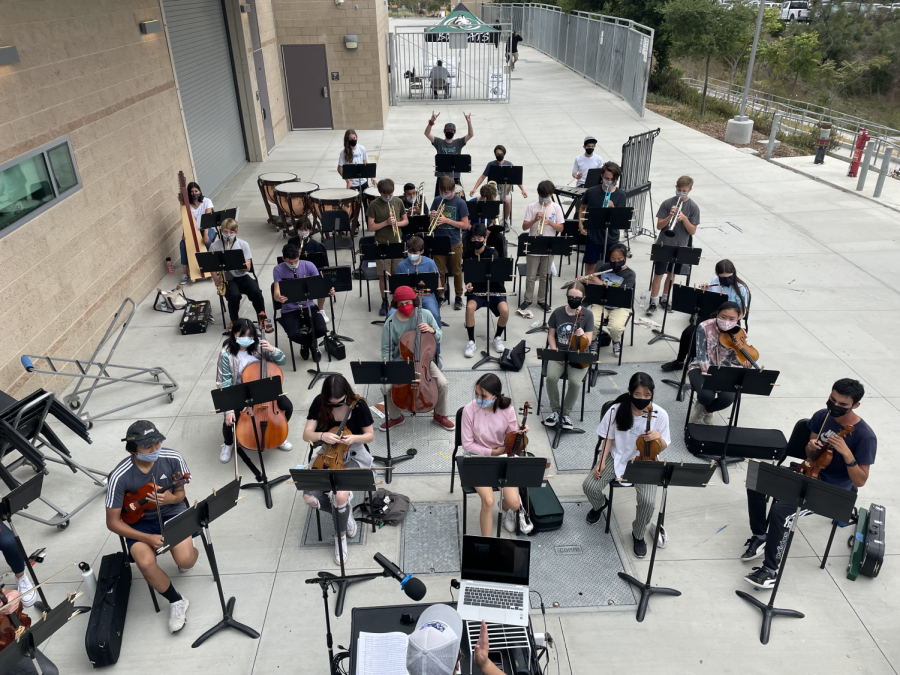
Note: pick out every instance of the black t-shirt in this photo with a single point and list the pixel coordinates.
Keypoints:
(311, 246)
(453, 147)
(514, 40)
(563, 325)
(360, 418)
(862, 444)
(487, 253)
(594, 199)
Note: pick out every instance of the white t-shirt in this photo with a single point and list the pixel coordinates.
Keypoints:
(554, 214)
(244, 360)
(218, 245)
(583, 164)
(200, 210)
(359, 157)
(625, 442)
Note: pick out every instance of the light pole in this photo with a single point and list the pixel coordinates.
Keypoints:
(740, 129)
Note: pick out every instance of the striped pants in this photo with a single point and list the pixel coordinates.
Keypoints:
(646, 497)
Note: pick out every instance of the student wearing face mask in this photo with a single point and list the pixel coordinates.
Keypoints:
(561, 328)
(679, 234)
(478, 248)
(296, 317)
(416, 262)
(621, 426)
(309, 247)
(710, 352)
(380, 221)
(852, 457)
(618, 274)
(505, 190)
(326, 412)
(198, 205)
(448, 145)
(538, 266)
(451, 224)
(239, 282)
(586, 161)
(353, 153)
(243, 347)
(602, 196)
(485, 423)
(725, 281)
(411, 200)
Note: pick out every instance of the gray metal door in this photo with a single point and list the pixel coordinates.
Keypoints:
(198, 38)
(308, 93)
(262, 90)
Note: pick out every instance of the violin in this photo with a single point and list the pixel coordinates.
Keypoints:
(419, 348)
(737, 341)
(516, 441)
(813, 465)
(12, 622)
(136, 504)
(648, 451)
(332, 456)
(267, 419)
(578, 343)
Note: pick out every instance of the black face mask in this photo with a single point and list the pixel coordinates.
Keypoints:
(725, 282)
(499, 156)
(336, 405)
(448, 135)
(640, 403)
(352, 142)
(477, 244)
(197, 198)
(574, 303)
(836, 410)
(589, 151)
(618, 265)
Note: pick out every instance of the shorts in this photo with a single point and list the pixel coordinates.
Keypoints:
(659, 269)
(593, 251)
(148, 526)
(392, 266)
(481, 301)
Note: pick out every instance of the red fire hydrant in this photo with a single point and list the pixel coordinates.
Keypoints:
(861, 141)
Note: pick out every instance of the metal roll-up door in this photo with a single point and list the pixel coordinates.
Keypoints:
(198, 38)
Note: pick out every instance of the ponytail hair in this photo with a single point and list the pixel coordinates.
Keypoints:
(727, 267)
(624, 418)
(492, 385)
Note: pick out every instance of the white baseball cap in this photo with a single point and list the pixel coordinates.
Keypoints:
(434, 645)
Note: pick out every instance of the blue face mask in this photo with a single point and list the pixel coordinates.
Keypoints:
(245, 341)
(484, 403)
(386, 199)
(413, 257)
(149, 457)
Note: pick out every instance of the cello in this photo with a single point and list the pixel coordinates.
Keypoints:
(418, 348)
(332, 457)
(272, 424)
(516, 441)
(813, 465)
(648, 451)
(578, 343)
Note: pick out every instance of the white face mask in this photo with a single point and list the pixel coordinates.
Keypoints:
(544, 200)
(608, 183)
(447, 195)
(302, 234)
(725, 325)
(387, 199)
(413, 257)
(681, 195)
(293, 266)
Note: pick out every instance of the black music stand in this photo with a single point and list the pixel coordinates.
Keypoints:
(246, 395)
(25, 645)
(738, 381)
(606, 219)
(567, 358)
(614, 297)
(326, 480)
(336, 222)
(432, 281)
(308, 289)
(221, 262)
(785, 485)
(383, 373)
(382, 252)
(488, 212)
(212, 221)
(197, 519)
(593, 178)
(355, 172)
(452, 164)
(698, 303)
(341, 280)
(573, 233)
(671, 255)
(506, 175)
(501, 472)
(549, 246)
(478, 271)
(417, 225)
(19, 498)
(662, 474)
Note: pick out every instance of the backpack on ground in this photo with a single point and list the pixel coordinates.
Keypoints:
(387, 508)
(513, 359)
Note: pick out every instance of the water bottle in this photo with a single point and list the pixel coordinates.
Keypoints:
(169, 265)
(90, 581)
(644, 299)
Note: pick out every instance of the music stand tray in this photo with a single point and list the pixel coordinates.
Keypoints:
(453, 164)
(25, 645)
(672, 255)
(212, 221)
(501, 472)
(505, 175)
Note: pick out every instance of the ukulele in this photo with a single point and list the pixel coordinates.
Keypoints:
(332, 457)
(516, 442)
(648, 450)
(813, 465)
(138, 503)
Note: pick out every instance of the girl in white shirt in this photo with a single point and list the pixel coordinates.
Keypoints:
(198, 205)
(621, 426)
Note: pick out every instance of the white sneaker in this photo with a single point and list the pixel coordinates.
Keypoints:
(709, 419)
(340, 549)
(324, 315)
(26, 590)
(351, 526)
(225, 455)
(509, 520)
(498, 345)
(177, 613)
(185, 279)
(524, 526)
(286, 446)
(697, 414)
(470, 349)
(617, 348)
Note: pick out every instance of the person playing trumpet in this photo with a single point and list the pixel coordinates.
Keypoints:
(676, 227)
(385, 216)
(450, 214)
(411, 199)
(542, 218)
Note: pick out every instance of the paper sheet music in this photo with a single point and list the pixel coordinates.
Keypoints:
(381, 654)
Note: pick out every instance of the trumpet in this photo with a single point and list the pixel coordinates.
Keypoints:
(434, 220)
(669, 232)
(543, 217)
(420, 198)
(394, 222)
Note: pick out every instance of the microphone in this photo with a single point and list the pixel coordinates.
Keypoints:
(414, 588)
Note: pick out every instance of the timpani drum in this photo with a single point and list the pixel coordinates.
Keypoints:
(294, 205)
(267, 183)
(331, 199)
(370, 194)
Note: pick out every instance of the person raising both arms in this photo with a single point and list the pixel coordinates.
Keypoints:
(679, 234)
(448, 145)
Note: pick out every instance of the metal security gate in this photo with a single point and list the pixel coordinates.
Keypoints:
(475, 66)
(614, 53)
(198, 38)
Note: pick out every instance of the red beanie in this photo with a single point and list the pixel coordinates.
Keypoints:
(404, 293)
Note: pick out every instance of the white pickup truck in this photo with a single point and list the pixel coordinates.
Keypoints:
(793, 11)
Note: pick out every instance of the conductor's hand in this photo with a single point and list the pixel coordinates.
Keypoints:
(434, 116)
(483, 647)
(472, 193)
(425, 328)
(331, 292)
(651, 435)
(468, 117)
(266, 345)
(229, 418)
(330, 438)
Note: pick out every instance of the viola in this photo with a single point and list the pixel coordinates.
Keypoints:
(418, 348)
(332, 456)
(648, 451)
(266, 419)
(737, 341)
(11, 620)
(812, 466)
(517, 441)
(578, 343)
(136, 504)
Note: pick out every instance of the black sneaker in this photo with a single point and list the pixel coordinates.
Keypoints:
(525, 305)
(760, 577)
(651, 308)
(441, 300)
(544, 306)
(567, 422)
(593, 516)
(640, 547)
(755, 548)
(671, 365)
(316, 354)
(458, 304)
(552, 420)
(304, 352)
(384, 307)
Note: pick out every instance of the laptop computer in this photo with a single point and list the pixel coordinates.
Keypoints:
(494, 580)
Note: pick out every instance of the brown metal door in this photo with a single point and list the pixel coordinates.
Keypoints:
(309, 95)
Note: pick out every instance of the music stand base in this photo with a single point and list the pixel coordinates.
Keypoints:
(722, 462)
(543, 327)
(486, 358)
(675, 383)
(389, 462)
(663, 336)
(226, 622)
(342, 583)
(560, 431)
(317, 374)
(768, 613)
(647, 591)
(266, 486)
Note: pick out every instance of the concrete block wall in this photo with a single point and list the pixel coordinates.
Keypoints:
(86, 70)
(272, 58)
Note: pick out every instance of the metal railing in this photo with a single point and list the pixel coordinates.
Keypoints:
(612, 52)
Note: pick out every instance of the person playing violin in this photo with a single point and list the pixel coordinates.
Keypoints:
(243, 347)
(485, 423)
(296, 317)
(406, 302)
(149, 462)
(711, 352)
(327, 411)
(852, 456)
(621, 426)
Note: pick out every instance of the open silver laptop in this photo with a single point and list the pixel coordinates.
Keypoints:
(494, 584)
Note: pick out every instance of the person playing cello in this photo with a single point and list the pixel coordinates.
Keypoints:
(406, 302)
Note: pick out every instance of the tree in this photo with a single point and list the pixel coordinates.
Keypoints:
(796, 54)
(735, 38)
(834, 79)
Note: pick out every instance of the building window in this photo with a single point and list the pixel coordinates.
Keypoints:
(36, 181)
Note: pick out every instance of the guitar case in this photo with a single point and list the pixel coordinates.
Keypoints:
(873, 546)
(106, 624)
